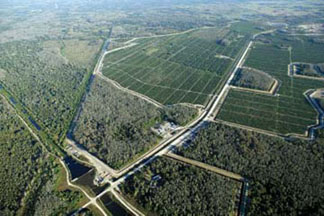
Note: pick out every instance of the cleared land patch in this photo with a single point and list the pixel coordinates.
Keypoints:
(178, 68)
(289, 112)
(168, 187)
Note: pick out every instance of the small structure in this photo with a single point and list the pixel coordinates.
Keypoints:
(154, 181)
(101, 178)
(156, 178)
(73, 151)
(166, 129)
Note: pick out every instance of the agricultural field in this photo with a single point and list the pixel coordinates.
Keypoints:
(285, 178)
(166, 60)
(113, 126)
(288, 112)
(181, 68)
(253, 79)
(167, 187)
(29, 177)
(48, 78)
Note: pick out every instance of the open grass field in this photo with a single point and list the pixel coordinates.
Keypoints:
(289, 112)
(179, 68)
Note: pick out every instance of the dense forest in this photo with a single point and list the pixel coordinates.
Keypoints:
(167, 187)
(44, 80)
(287, 178)
(28, 175)
(54, 197)
(116, 126)
(21, 157)
(253, 79)
(179, 114)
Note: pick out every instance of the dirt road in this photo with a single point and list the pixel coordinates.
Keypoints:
(206, 167)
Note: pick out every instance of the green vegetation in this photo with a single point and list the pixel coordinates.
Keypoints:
(312, 70)
(47, 84)
(182, 190)
(28, 175)
(113, 126)
(21, 157)
(180, 114)
(253, 79)
(54, 197)
(178, 68)
(48, 50)
(289, 112)
(286, 178)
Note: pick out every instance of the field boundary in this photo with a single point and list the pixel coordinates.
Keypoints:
(275, 85)
(205, 166)
(137, 94)
(248, 128)
(320, 114)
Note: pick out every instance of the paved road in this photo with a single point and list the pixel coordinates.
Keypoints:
(93, 200)
(94, 161)
(179, 138)
(185, 133)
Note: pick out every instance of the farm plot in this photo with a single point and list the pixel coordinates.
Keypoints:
(178, 68)
(168, 187)
(289, 112)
